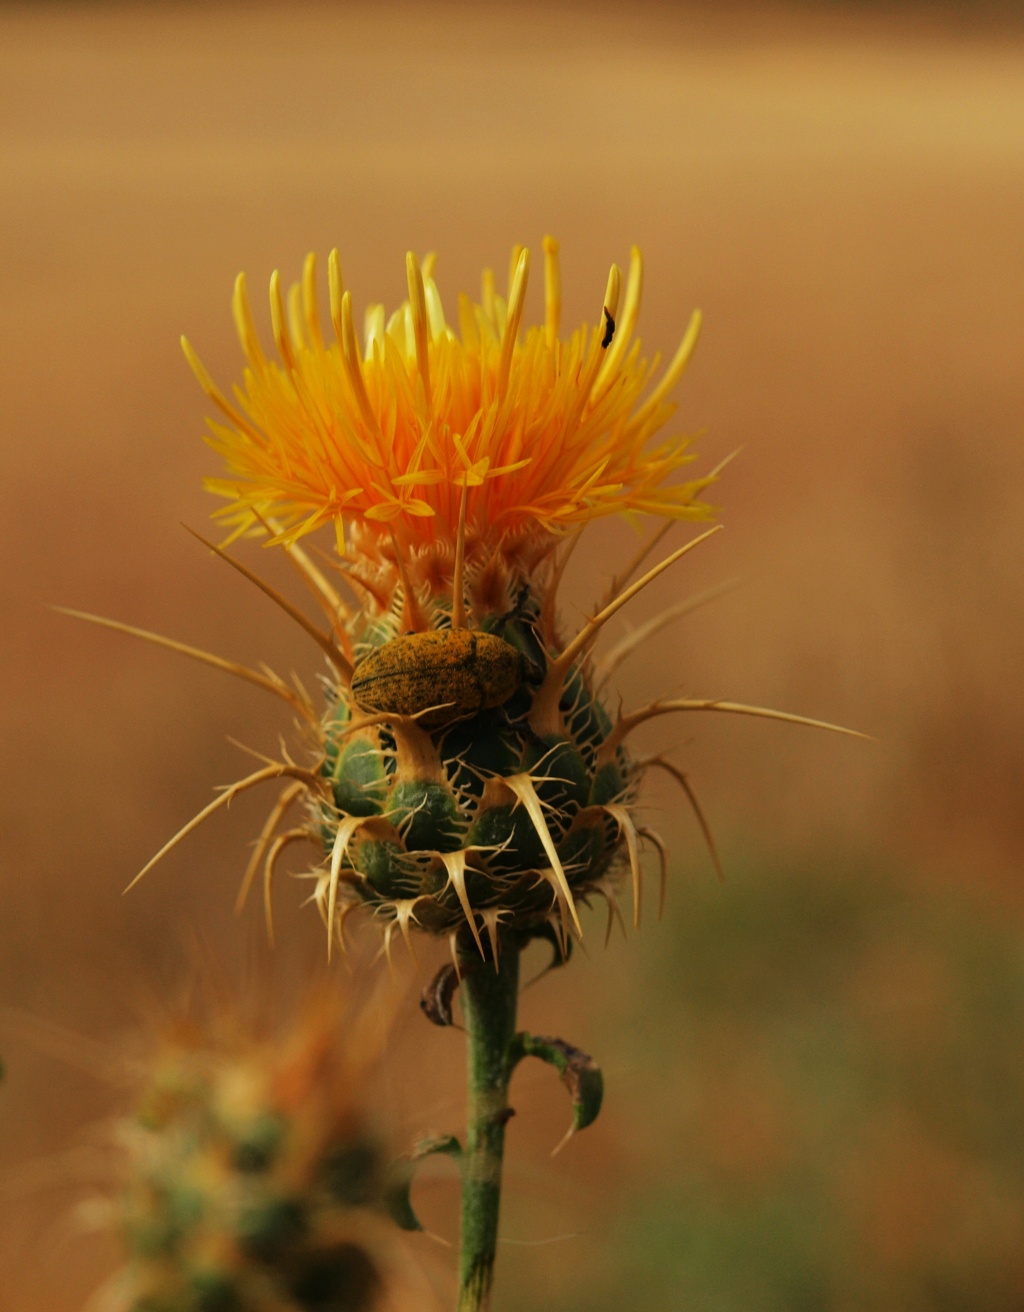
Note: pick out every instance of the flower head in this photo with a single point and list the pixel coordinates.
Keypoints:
(468, 776)
(540, 433)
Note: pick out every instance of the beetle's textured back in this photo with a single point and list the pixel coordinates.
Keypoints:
(456, 671)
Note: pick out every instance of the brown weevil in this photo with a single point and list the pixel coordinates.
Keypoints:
(455, 671)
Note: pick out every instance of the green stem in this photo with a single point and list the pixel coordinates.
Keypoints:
(489, 999)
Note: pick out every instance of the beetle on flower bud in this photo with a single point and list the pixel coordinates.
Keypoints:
(438, 676)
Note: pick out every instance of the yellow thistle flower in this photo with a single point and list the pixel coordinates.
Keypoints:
(545, 433)
(466, 776)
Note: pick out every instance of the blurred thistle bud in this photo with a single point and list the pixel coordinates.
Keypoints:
(255, 1180)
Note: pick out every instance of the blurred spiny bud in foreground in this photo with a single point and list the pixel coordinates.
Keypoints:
(255, 1181)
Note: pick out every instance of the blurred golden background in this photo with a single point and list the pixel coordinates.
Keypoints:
(815, 1072)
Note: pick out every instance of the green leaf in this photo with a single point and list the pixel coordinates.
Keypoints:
(398, 1202)
(580, 1074)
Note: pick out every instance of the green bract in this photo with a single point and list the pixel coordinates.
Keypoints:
(457, 822)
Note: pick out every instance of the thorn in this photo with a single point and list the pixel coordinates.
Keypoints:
(691, 797)
(271, 683)
(522, 786)
(284, 801)
(405, 911)
(659, 844)
(628, 830)
(614, 911)
(329, 598)
(453, 948)
(613, 658)
(548, 605)
(323, 640)
(455, 864)
(544, 715)
(491, 916)
(231, 792)
(278, 846)
(628, 723)
(346, 829)
(344, 911)
(620, 580)
(570, 1132)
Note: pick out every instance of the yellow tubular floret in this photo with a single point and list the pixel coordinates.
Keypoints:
(516, 304)
(611, 293)
(350, 357)
(627, 323)
(246, 328)
(336, 289)
(552, 292)
(296, 316)
(418, 306)
(513, 266)
(309, 303)
(675, 370)
(545, 432)
(279, 323)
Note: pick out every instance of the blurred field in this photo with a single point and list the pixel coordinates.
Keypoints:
(825, 1116)
(841, 193)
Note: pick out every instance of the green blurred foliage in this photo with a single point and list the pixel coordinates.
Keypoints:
(833, 1111)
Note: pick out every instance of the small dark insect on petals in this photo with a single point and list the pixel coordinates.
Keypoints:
(609, 330)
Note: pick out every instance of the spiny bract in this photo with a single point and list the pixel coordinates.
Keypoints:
(444, 816)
